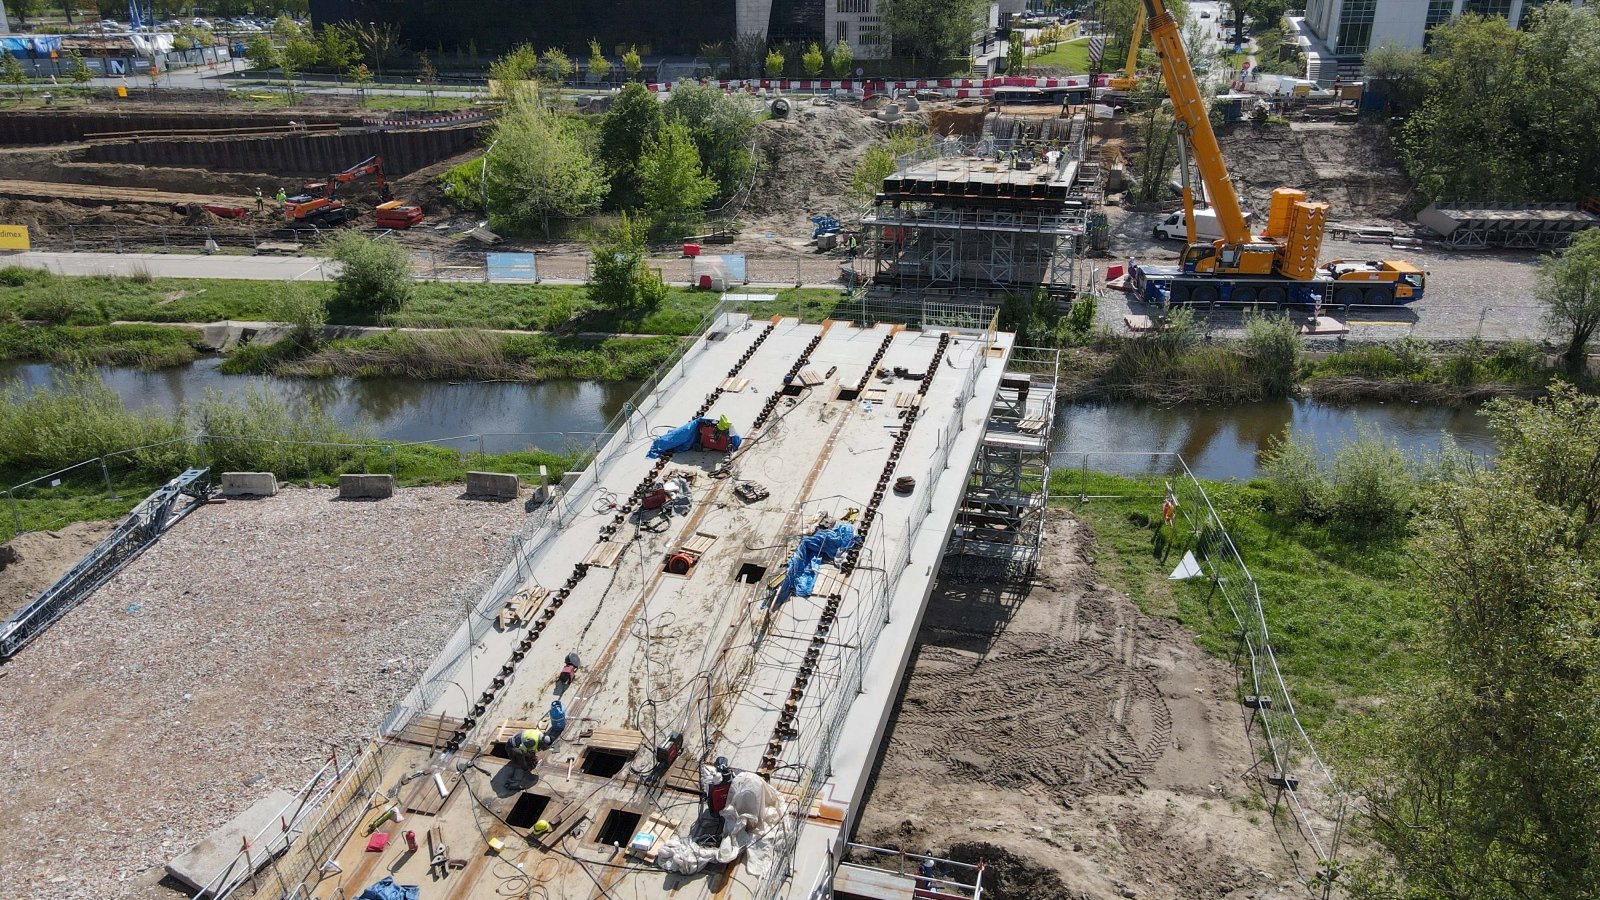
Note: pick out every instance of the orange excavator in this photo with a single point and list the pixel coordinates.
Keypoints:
(320, 204)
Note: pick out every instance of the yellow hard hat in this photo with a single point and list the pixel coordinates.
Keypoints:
(541, 827)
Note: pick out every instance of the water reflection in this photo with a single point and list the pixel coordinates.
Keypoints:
(1227, 441)
(396, 408)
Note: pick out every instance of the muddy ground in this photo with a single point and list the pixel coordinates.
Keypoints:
(31, 562)
(1081, 748)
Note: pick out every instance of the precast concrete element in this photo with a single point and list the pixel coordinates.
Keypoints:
(216, 850)
(249, 484)
(493, 485)
(366, 487)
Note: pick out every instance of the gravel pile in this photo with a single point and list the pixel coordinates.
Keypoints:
(220, 665)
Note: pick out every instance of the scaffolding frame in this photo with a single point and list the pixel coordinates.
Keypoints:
(1000, 525)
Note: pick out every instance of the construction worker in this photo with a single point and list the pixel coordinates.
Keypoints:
(283, 201)
(261, 202)
(524, 748)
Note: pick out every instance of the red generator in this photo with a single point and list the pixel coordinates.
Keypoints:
(713, 438)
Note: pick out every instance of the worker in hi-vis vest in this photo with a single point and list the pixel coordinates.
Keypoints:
(524, 748)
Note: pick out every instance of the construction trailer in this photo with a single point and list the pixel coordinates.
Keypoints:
(960, 227)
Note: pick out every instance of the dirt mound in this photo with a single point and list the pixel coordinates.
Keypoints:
(1007, 876)
(1351, 167)
(966, 121)
(42, 557)
(805, 162)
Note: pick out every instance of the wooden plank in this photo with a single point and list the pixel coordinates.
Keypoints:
(907, 400)
(622, 739)
(606, 554)
(425, 800)
(735, 385)
(428, 731)
(809, 377)
(875, 395)
(700, 543)
(1032, 423)
(521, 607)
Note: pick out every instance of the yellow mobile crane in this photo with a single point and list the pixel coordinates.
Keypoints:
(1129, 79)
(1279, 265)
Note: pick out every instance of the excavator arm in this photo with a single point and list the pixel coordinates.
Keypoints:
(1129, 79)
(1190, 108)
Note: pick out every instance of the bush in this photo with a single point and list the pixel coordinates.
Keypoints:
(1370, 486)
(18, 276)
(376, 276)
(58, 304)
(77, 418)
(258, 432)
(1272, 344)
(621, 279)
(304, 311)
(1077, 327)
(463, 184)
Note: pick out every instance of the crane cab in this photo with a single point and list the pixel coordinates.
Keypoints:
(1222, 258)
(1375, 281)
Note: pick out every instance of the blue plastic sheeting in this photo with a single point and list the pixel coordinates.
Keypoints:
(388, 890)
(687, 437)
(512, 268)
(814, 550)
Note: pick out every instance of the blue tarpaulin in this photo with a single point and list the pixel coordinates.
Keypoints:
(687, 437)
(814, 550)
(388, 890)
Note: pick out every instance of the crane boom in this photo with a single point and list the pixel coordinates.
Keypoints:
(1190, 108)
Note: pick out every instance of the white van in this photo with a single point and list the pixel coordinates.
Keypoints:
(1205, 226)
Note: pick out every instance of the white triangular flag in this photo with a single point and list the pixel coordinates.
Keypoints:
(1188, 568)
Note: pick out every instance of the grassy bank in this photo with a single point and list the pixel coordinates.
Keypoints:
(1340, 609)
(46, 431)
(461, 354)
(140, 346)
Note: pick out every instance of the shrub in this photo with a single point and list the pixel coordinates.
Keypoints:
(18, 276)
(58, 304)
(77, 418)
(1272, 343)
(1296, 487)
(1374, 486)
(376, 276)
(258, 432)
(304, 311)
(1461, 368)
(621, 279)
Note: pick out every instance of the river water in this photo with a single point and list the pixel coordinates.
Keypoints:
(1216, 441)
(509, 416)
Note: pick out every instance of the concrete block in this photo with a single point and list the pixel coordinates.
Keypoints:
(249, 484)
(220, 849)
(493, 485)
(366, 487)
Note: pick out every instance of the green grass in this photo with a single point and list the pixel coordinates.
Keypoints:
(141, 346)
(105, 298)
(1073, 56)
(1341, 610)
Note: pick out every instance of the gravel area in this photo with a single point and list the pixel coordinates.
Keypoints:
(221, 664)
(1484, 293)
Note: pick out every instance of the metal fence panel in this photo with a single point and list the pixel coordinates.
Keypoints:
(513, 268)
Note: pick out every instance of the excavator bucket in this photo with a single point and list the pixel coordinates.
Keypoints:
(1303, 242)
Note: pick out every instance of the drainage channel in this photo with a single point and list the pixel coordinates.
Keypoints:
(847, 561)
(580, 570)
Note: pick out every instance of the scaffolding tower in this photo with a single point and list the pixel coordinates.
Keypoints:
(1000, 525)
(968, 225)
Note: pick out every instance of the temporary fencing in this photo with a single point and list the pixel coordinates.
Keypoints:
(1302, 781)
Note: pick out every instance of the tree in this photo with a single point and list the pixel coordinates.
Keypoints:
(11, 71)
(879, 161)
(811, 61)
(841, 59)
(746, 55)
(556, 65)
(721, 126)
(625, 132)
(362, 76)
(1481, 776)
(540, 169)
(632, 64)
(932, 30)
(380, 42)
(512, 75)
(1569, 287)
(715, 54)
(621, 277)
(262, 51)
(375, 275)
(1397, 72)
(427, 75)
(599, 66)
(1016, 53)
(78, 70)
(337, 47)
(23, 9)
(1500, 119)
(675, 187)
(773, 66)
(1158, 145)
